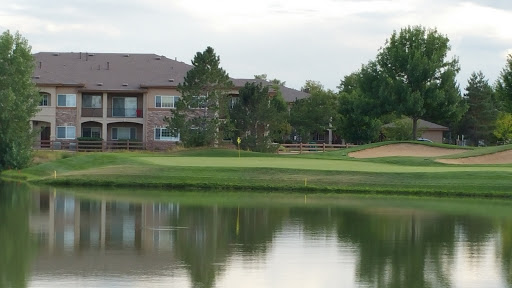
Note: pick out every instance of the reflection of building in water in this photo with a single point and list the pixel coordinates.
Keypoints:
(100, 233)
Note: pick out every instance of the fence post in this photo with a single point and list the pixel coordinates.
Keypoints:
(323, 144)
(128, 145)
(300, 148)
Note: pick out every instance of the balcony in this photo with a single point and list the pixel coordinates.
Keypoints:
(125, 113)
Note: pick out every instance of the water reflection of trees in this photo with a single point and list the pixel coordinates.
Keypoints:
(16, 247)
(395, 247)
(212, 236)
(400, 250)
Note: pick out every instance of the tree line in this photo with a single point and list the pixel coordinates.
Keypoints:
(411, 76)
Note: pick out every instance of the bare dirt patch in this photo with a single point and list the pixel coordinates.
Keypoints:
(504, 157)
(405, 149)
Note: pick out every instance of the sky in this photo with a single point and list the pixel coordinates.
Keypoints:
(291, 40)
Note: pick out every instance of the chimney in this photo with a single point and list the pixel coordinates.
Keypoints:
(40, 64)
(108, 65)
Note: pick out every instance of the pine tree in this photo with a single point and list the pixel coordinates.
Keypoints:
(478, 122)
(204, 99)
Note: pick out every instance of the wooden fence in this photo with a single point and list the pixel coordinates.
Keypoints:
(308, 148)
(89, 146)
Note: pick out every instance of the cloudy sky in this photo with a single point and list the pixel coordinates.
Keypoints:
(292, 40)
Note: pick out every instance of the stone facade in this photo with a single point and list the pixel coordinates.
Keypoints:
(66, 117)
(155, 118)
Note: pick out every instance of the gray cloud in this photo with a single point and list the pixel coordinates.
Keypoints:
(306, 42)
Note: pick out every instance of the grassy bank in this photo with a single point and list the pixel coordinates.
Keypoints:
(332, 172)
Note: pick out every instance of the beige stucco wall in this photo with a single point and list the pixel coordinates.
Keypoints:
(435, 136)
(152, 92)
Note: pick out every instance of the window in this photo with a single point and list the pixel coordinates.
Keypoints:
(66, 100)
(164, 134)
(91, 101)
(66, 132)
(166, 101)
(233, 101)
(124, 106)
(91, 132)
(319, 137)
(45, 99)
(198, 102)
(124, 133)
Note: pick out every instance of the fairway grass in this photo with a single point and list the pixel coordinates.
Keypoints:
(221, 170)
(312, 164)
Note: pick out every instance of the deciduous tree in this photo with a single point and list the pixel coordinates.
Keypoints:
(313, 114)
(418, 81)
(503, 129)
(19, 100)
(257, 116)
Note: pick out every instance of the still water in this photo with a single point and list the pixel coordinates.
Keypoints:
(78, 238)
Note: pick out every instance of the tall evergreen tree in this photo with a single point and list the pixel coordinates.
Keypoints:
(478, 122)
(504, 87)
(19, 100)
(204, 99)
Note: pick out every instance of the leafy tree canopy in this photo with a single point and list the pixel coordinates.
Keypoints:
(19, 100)
(503, 129)
(314, 114)
(416, 78)
(358, 108)
(258, 116)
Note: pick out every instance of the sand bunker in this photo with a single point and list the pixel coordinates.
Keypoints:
(504, 157)
(405, 149)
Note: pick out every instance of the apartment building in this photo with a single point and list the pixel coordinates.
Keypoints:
(114, 96)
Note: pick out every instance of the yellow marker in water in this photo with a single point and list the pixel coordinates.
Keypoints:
(238, 221)
(55, 174)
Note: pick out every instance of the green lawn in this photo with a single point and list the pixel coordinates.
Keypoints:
(332, 172)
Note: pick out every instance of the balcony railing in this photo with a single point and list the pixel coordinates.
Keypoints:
(92, 112)
(125, 112)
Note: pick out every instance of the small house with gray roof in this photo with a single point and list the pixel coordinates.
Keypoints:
(113, 96)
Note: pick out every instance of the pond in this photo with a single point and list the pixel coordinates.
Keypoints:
(64, 237)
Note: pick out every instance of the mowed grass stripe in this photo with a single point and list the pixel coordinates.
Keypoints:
(312, 164)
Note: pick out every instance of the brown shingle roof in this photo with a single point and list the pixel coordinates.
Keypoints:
(289, 94)
(120, 72)
(423, 124)
(107, 71)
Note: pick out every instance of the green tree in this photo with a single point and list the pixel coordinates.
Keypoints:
(314, 114)
(503, 129)
(257, 116)
(204, 97)
(399, 130)
(417, 79)
(504, 86)
(19, 100)
(274, 81)
(358, 109)
(16, 246)
(478, 122)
